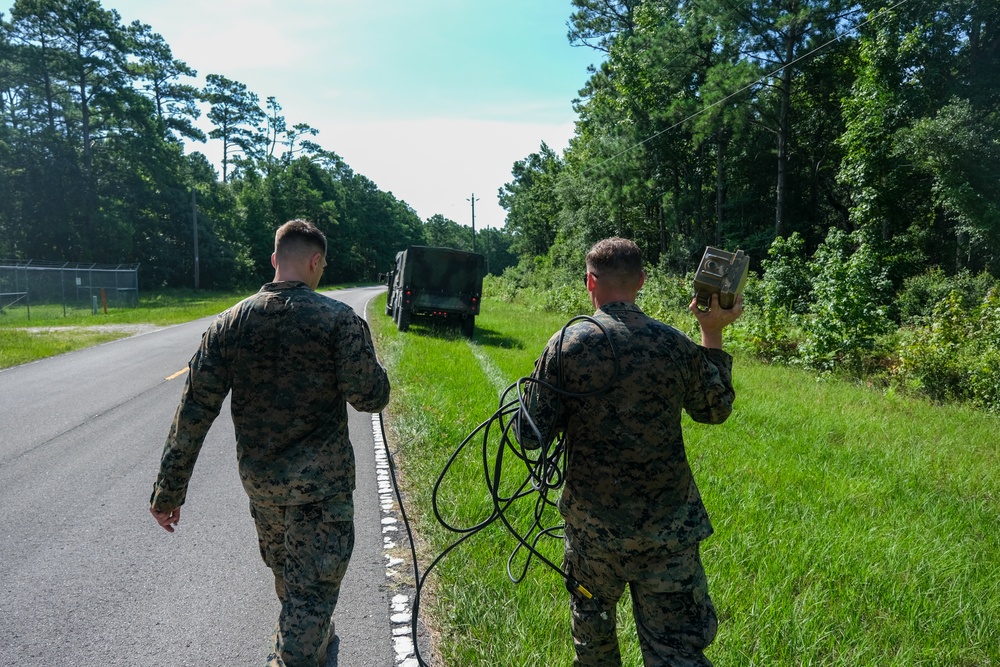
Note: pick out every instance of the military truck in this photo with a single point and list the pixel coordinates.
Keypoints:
(435, 282)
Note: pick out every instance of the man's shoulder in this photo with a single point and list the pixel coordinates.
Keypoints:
(297, 300)
(580, 328)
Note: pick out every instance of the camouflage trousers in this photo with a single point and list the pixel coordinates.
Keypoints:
(674, 616)
(308, 548)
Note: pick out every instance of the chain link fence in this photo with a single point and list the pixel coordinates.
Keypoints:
(68, 286)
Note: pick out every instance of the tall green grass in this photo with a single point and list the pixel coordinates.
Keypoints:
(853, 527)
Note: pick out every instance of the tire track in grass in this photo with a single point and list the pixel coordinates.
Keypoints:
(489, 367)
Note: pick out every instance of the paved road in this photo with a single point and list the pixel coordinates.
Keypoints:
(88, 578)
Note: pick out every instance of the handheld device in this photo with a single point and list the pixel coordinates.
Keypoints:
(720, 272)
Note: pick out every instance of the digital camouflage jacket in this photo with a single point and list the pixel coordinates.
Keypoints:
(628, 481)
(293, 359)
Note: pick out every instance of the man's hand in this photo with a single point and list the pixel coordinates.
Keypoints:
(168, 519)
(715, 319)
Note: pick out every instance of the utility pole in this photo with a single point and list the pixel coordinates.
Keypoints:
(473, 200)
(194, 225)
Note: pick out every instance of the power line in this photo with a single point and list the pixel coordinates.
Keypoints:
(757, 81)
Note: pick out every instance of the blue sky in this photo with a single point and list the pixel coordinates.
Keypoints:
(431, 99)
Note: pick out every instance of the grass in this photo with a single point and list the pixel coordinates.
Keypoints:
(20, 347)
(50, 332)
(161, 308)
(853, 527)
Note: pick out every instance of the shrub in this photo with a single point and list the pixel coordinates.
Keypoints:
(930, 355)
(956, 354)
(786, 285)
(769, 327)
(538, 285)
(921, 293)
(847, 312)
(666, 297)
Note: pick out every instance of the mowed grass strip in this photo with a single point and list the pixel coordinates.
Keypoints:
(19, 346)
(160, 308)
(441, 393)
(852, 527)
(49, 332)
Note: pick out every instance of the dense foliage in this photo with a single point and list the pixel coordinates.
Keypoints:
(734, 124)
(851, 148)
(95, 117)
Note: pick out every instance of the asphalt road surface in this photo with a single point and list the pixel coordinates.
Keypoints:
(89, 578)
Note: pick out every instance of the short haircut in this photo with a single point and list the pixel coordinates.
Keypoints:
(617, 261)
(299, 237)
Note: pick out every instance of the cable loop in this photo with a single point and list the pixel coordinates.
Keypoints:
(544, 473)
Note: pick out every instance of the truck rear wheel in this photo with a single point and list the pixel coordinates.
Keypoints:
(469, 326)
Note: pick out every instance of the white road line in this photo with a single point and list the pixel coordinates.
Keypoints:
(400, 614)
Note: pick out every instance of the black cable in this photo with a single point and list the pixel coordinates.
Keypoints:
(545, 473)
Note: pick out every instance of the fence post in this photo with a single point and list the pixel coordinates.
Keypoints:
(62, 286)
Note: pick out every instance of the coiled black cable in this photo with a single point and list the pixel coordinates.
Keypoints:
(545, 473)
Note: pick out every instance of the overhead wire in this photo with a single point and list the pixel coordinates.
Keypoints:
(750, 85)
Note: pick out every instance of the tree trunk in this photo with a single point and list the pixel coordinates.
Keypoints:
(783, 132)
(48, 88)
(89, 188)
(663, 227)
(720, 186)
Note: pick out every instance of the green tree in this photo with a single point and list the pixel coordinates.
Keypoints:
(596, 23)
(924, 71)
(959, 150)
(778, 35)
(159, 74)
(237, 116)
(849, 310)
(531, 202)
(446, 233)
(71, 57)
(495, 246)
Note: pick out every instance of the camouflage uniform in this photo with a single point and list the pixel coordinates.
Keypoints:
(292, 359)
(632, 510)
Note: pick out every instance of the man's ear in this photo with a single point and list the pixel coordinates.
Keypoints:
(274, 261)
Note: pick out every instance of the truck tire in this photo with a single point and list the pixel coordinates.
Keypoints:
(469, 326)
(388, 307)
(403, 321)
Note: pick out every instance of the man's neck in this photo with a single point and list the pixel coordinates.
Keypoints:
(600, 299)
(288, 276)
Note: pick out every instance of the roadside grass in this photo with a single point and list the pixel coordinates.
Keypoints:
(49, 332)
(161, 308)
(853, 527)
(19, 346)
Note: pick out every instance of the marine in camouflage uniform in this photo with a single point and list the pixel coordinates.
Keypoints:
(632, 509)
(292, 359)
